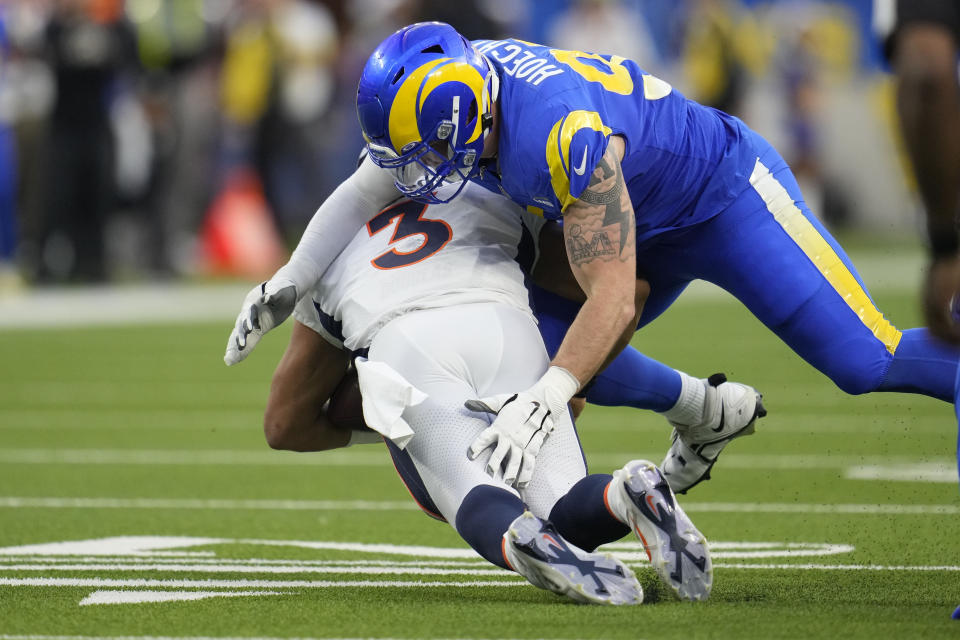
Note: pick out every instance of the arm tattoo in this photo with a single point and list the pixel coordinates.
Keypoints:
(608, 196)
(582, 250)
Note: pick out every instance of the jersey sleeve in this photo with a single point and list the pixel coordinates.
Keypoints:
(575, 144)
(528, 249)
(309, 313)
(350, 206)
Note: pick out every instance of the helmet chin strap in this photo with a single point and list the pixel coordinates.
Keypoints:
(491, 91)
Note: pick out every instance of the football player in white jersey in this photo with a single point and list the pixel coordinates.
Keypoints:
(698, 405)
(434, 298)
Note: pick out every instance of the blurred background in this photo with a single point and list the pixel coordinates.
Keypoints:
(146, 141)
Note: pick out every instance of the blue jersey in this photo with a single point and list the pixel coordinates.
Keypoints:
(683, 162)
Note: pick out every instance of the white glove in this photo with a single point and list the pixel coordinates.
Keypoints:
(266, 306)
(523, 422)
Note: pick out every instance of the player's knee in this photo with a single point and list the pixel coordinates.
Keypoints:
(857, 364)
(276, 429)
(855, 380)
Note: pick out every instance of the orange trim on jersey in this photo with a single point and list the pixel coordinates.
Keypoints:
(401, 203)
(430, 513)
(393, 238)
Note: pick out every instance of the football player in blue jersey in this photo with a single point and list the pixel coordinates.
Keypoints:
(647, 183)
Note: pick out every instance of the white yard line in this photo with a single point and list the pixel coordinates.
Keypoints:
(248, 584)
(374, 456)
(60, 307)
(145, 583)
(837, 567)
(173, 554)
(921, 472)
(47, 637)
(241, 568)
(845, 509)
(15, 502)
(142, 596)
(862, 467)
(64, 637)
(175, 503)
(132, 563)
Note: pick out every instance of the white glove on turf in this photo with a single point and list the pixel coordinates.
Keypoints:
(266, 306)
(523, 422)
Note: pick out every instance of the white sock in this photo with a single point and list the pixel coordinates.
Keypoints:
(688, 409)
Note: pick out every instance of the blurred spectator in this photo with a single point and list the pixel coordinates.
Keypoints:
(604, 26)
(8, 172)
(800, 74)
(88, 44)
(476, 19)
(277, 88)
(816, 45)
(178, 108)
(723, 46)
(293, 138)
(27, 94)
(152, 109)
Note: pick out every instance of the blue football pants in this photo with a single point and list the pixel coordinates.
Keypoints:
(770, 252)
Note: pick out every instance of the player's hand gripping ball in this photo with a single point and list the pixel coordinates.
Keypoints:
(345, 407)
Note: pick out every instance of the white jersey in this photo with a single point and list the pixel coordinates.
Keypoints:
(412, 256)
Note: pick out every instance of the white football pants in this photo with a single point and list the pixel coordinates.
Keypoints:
(454, 354)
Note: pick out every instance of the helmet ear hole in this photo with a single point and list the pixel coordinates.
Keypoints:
(471, 112)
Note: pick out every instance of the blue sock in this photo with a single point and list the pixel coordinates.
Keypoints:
(581, 516)
(484, 516)
(634, 380)
(923, 364)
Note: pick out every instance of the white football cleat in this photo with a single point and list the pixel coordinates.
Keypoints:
(730, 410)
(535, 550)
(640, 496)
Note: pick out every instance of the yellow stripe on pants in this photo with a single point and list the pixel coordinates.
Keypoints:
(789, 216)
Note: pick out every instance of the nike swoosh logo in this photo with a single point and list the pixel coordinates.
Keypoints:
(719, 428)
(583, 164)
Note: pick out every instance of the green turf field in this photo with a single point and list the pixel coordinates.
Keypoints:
(137, 498)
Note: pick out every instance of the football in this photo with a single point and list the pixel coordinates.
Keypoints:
(345, 407)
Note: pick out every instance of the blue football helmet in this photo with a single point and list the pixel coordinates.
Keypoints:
(424, 105)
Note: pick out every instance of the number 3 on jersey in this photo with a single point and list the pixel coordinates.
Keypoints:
(409, 222)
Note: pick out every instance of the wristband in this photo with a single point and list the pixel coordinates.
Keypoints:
(561, 382)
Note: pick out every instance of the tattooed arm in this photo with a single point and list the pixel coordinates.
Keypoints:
(600, 239)
(599, 232)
